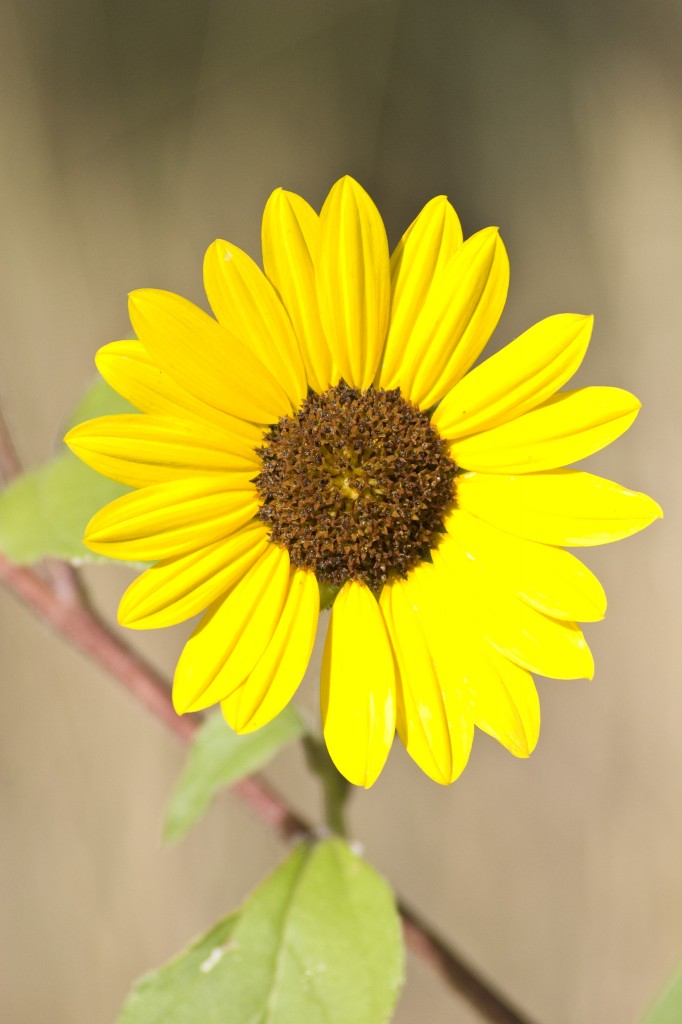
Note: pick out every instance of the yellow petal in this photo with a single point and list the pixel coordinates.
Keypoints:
(502, 703)
(517, 378)
(432, 722)
(205, 358)
(232, 636)
(565, 507)
(172, 518)
(352, 276)
(290, 231)
(420, 256)
(130, 370)
(513, 627)
(281, 667)
(566, 428)
(358, 686)
(548, 578)
(143, 450)
(244, 302)
(457, 319)
(178, 588)
(550, 647)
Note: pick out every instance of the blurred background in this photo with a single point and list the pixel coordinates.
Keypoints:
(134, 134)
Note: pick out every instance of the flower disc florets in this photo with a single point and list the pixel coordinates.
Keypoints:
(355, 485)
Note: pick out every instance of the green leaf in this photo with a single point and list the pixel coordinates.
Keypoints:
(44, 513)
(219, 757)
(320, 940)
(668, 1007)
(98, 400)
(182, 990)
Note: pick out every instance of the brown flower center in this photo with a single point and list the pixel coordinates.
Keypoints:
(355, 485)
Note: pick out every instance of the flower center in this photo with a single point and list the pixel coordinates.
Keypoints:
(355, 485)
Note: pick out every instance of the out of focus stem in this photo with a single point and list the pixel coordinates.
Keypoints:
(335, 788)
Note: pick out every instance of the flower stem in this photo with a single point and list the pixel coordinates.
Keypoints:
(335, 788)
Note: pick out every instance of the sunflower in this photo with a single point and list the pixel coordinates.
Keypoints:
(322, 437)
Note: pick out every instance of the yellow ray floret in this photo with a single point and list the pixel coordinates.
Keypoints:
(353, 283)
(358, 686)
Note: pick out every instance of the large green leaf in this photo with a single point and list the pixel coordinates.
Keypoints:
(668, 1007)
(182, 990)
(320, 940)
(44, 513)
(217, 758)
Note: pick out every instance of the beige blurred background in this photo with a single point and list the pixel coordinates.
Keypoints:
(133, 134)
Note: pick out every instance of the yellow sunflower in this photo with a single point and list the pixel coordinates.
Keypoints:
(323, 433)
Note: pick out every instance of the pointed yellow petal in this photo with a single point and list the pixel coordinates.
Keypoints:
(467, 664)
(517, 378)
(565, 507)
(233, 634)
(352, 275)
(550, 647)
(277, 674)
(459, 315)
(290, 231)
(526, 636)
(358, 686)
(568, 427)
(548, 578)
(130, 370)
(143, 450)
(205, 358)
(504, 701)
(171, 518)
(432, 722)
(178, 588)
(244, 301)
(431, 240)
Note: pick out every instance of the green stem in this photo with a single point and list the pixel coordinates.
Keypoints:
(335, 788)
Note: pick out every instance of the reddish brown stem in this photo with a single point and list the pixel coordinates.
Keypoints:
(10, 466)
(466, 982)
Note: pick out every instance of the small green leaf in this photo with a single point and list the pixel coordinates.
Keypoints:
(219, 757)
(182, 990)
(668, 1007)
(44, 513)
(320, 940)
(98, 400)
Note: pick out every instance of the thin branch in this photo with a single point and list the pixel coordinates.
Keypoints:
(65, 581)
(10, 466)
(81, 627)
(467, 983)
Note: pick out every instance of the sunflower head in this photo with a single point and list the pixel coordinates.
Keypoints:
(324, 428)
